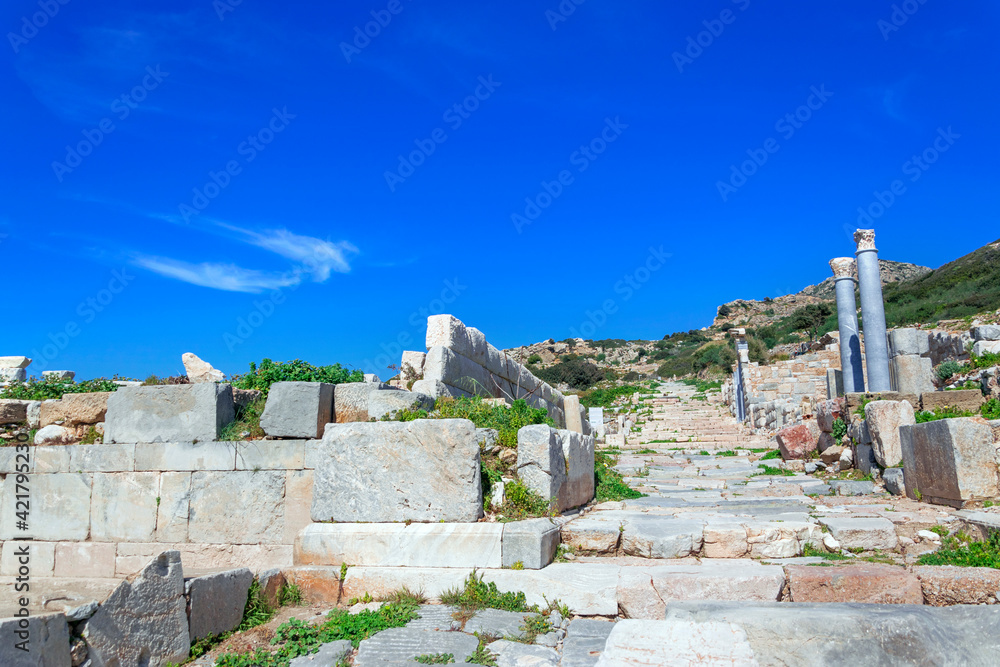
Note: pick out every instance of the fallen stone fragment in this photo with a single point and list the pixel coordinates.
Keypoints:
(200, 371)
(844, 487)
(75, 409)
(884, 419)
(387, 402)
(216, 602)
(950, 461)
(796, 442)
(54, 435)
(894, 483)
(514, 654)
(48, 642)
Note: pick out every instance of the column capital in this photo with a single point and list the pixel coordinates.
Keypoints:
(843, 267)
(865, 238)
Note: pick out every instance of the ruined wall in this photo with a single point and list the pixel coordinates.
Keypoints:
(104, 510)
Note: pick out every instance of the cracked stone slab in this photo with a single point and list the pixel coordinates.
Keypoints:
(497, 622)
(400, 646)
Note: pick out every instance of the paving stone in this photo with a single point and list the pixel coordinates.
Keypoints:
(532, 543)
(216, 601)
(144, 621)
(870, 583)
(584, 642)
(424, 470)
(830, 634)
(655, 537)
(329, 655)
(399, 646)
(297, 409)
(676, 642)
(514, 654)
(593, 533)
(846, 487)
(863, 533)
(434, 617)
(945, 585)
(497, 622)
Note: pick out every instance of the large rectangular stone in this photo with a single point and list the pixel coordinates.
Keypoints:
(49, 634)
(216, 601)
(465, 545)
(949, 461)
(270, 455)
(172, 504)
(53, 458)
(59, 507)
(123, 507)
(458, 371)
(870, 583)
(177, 456)
(75, 409)
(350, 401)
(241, 507)
(532, 543)
(908, 342)
(13, 411)
(862, 533)
(169, 413)
(960, 399)
(41, 558)
(676, 642)
(297, 409)
(423, 470)
(85, 559)
(298, 502)
(557, 464)
(912, 374)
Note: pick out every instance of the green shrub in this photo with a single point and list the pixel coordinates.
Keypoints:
(949, 412)
(268, 372)
(608, 483)
(507, 420)
(534, 359)
(990, 409)
(477, 594)
(605, 397)
(839, 430)
(40, 390)
(577, 373)
(947, 369)
(961, 550)
(985, 360)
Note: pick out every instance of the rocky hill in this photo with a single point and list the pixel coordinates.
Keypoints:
(752, 313)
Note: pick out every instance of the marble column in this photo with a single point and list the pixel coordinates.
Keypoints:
(847, 322)
(872, 312)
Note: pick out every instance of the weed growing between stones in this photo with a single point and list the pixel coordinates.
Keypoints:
(608, 483)
(405, 596)
(296, 638)
(435, 658)
(247, 422)
(482, 655)
(268, 372)
(40, 390)
(839, 430)
(91, 437)
(257, 611)
(645, 451)
(532, 627)
(990, 409)
(768, 470)
(290, 595)
(961, 550)
(606, 397)
(771, 454)
(924, 416)
(727, 452)
(811, 551)
(477, 594)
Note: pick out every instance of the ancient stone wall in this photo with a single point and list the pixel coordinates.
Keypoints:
(104, 510)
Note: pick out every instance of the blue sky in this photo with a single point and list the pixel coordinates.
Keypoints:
(260, 179)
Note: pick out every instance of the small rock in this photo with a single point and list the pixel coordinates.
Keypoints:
(906, 541)
(549, 639)
(846, 458)
(569, 556)
(498, 496)
(364, 606)
(54, 435)
(811, 467)
(555, 618)
(78, 652)
(831, 543)
(81, 613)
(58, 375)
(508, 456)
(928, 535)
(200, 371)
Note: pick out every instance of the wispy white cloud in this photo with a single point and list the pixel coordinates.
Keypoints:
(228, 277)
(316, 256)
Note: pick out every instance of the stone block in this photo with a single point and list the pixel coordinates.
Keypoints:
(464, 545)
(242, 507)
(54, 435)
(962, 399)
(574, 416)
(533, 543)
(385, 402)
(51, 459)
(908, 342)
(796, 442)
(60, 508)
(169, 413)
(101, 458)
(514, 653)
(593, 533)
(862, 533)
(912, 374)
(651, 537)
(676, 642)
(447, 331)
(298, 502)
(985, 332)
(946, 585)
(846, 487)
(863, 457)
(14, 362)
(13, 411)
(884, 419)
(271, 582)
(950, 461)
(84, 559)
(75, 409)
(172, 509)
(144, 621)
(894, 482)
(458, 371)
(41, 558)
(424, 470)
(411, 367)
(869, 583)
(216, 602)
(270, 455)
(48, 644)
(556, 464)
(177, 456)
(827, 411)
(350, 401)
(13, 375)
(298, 409)
(986, 347)
(123, 507)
